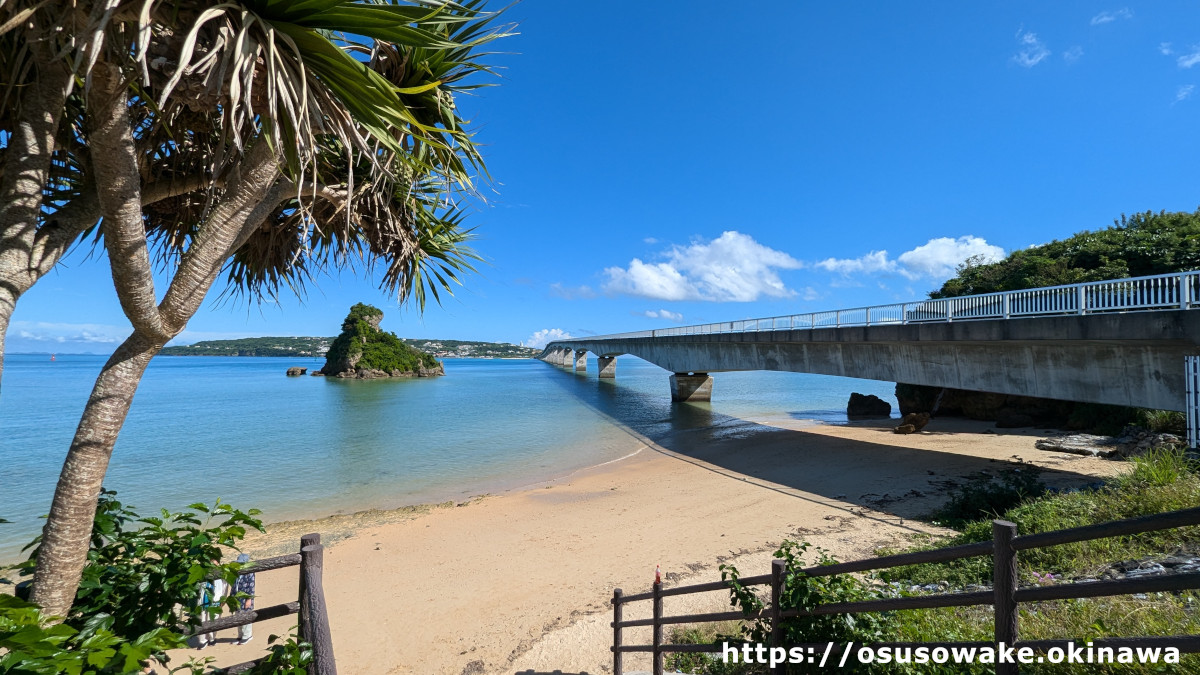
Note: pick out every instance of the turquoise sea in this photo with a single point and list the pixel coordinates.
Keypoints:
(300, 447)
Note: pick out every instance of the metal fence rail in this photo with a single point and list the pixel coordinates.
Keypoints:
(1004, 596)
(1180, 290)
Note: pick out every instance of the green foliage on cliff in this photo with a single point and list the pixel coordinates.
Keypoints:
(361, 312)
(1143, 244)
(370, 348)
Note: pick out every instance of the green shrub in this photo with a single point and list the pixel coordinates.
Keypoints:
(985, 495)
(1163, 421)
(32, 646)
(1160, 481)
(284, 657)
(143, 573)
(801, 591)
(139, 587)
(1140, 245)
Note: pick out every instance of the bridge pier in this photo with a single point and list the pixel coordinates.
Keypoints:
(691, 387)
(607, 365)
(581, 361)
(564, 357)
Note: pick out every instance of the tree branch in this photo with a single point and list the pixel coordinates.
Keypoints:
(245, 195)
(119, 190)
(165, 189)
(64, 227)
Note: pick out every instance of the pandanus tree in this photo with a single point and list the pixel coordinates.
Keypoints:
(264, 141)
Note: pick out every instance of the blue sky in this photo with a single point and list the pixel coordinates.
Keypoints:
(668, 162)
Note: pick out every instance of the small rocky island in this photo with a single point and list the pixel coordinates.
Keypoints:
(364, 351)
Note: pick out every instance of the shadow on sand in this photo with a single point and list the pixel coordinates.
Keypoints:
(907, 482)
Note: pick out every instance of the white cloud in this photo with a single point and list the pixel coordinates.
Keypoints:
(1184, 91)
(1164, 48)
(1189, 60)
(663, 314)
(939, 257)
(540, 338)
(1108, 16)
(810, 294)
(1032, 51)
(58, 333)
(731, 268)
(875, 261)
(1073, 54)
(936, 259)
(649, 240)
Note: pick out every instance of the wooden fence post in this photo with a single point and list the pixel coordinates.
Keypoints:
(315, 621)
(313, 539)
(1004, 580)
(617, 668)
(658, 612)
(778, 568)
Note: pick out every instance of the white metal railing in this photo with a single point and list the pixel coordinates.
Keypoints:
(1163, 291)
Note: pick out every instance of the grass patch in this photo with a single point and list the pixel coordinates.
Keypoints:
(703, 634)
(1160, 481)
(985, 496)
(1084, 619)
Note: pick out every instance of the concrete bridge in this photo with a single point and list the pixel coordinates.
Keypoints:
(1131, 342)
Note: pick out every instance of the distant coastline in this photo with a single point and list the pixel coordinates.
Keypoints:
(315, 347)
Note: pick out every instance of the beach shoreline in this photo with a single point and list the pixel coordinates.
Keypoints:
(521, 580)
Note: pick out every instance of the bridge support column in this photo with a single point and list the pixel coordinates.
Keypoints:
(607, 365)
(564, 357)
(691, 387)
(581, 361)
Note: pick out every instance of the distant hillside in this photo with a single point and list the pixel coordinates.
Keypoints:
(258, 346)
(317, 346)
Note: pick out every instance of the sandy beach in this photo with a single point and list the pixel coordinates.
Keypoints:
(520, 582)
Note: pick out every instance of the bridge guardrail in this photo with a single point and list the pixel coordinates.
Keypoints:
(1180, 290)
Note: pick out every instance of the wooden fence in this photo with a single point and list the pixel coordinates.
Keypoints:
(1005, 595)
(314, 619)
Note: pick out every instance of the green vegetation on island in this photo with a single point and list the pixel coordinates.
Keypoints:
(255, 346)
(364, 350)
(1141, 245)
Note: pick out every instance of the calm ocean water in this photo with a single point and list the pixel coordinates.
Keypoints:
(239, 429)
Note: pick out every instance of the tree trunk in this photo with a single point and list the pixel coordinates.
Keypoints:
(8, 302)
(66, 535)
(26, 166)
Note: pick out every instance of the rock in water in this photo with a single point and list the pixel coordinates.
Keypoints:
(296, 371)
(363, 351)
(867, 407)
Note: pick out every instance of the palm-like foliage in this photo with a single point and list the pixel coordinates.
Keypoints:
(267, 138)
(357, 98)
